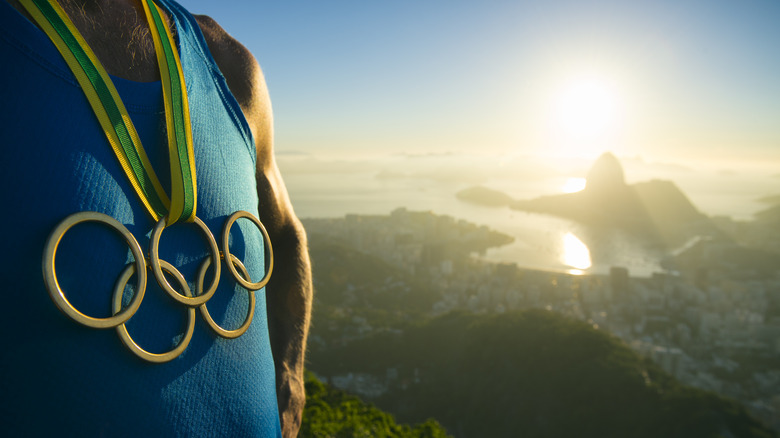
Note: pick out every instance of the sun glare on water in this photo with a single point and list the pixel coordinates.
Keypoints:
(575, 254)
(573, 185)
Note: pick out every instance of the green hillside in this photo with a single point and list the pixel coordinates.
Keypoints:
(347, 277)
(530, 374)
(333, 413)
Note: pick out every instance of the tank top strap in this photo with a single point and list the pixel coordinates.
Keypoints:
(199, 66)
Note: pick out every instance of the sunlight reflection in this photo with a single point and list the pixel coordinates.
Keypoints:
(575, 254)
(573, 185)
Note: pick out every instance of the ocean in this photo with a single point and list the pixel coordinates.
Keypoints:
(334, 188)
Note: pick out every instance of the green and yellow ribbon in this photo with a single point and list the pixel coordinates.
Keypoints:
(114, 119)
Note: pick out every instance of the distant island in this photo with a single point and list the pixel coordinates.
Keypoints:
(485, 196)
(656, 210)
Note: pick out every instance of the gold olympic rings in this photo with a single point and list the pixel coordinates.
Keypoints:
(50, 273)
(226, 236)
(139, 267)
(154, 257)
(124, 335)
(229, 334)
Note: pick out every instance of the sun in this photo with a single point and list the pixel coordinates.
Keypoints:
(585, 108)
(585, 116)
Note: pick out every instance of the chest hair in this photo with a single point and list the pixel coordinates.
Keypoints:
(119, 35)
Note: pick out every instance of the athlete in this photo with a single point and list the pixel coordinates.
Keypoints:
(62, 378)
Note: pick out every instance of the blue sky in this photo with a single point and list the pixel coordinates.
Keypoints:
(690, 80)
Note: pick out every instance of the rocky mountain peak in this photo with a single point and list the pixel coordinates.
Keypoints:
(606, 174)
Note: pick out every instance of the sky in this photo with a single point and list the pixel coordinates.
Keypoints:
(667, 81)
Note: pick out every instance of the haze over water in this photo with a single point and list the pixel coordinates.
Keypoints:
(334, 188)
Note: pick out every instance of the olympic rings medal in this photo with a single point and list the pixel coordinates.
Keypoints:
(154, 257)
(50, 272)
(225, 238)
(125, 335)
(228, 334)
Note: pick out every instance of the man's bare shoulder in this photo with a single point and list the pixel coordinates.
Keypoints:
(242, 73)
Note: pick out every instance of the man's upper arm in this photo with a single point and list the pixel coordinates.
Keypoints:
(289, 291)
(245, 80)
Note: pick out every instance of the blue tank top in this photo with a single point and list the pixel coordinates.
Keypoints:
(63, 379)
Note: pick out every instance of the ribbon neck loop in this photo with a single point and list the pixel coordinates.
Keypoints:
(114, 119)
